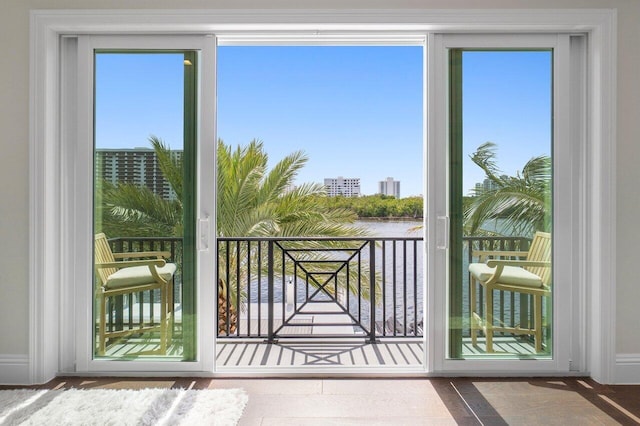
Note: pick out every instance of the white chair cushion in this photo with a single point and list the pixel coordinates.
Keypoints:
(138, 275)
(510, 275)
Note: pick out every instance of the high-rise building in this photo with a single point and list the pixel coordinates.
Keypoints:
(346, 187)
(487, 185)
(138, 166)
(389, 187)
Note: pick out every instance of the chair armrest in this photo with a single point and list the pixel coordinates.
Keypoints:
(138, 254)
(523, 263)
(129, 263)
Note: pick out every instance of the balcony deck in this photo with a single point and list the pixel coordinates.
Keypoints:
(350, 350)
(331, 353)
(324, 352)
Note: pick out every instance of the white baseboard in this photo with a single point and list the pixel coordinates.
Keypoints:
(14, 370)
(627, 369)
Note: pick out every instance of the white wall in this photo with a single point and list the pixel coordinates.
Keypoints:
(14, 155)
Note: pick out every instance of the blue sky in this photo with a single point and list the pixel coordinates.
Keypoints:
(138, 95)
(506, 100)
(355, 111)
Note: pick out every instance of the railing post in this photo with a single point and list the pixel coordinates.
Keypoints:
(270, 281)
(372, 290)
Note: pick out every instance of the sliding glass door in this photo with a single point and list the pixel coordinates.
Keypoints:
(142, 137)
(501, 203)
(501, 108)
(144, 149)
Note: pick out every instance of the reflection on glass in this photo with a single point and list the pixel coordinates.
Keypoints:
(141, 145)
(501, 297)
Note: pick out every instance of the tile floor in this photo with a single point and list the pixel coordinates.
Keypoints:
(435, 401)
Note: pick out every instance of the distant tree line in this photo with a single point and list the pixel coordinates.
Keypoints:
(378, 206)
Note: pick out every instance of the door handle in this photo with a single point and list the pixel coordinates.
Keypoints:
(442, 232)
(203, 234)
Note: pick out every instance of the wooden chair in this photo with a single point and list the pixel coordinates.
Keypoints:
(531, 274)
(119, 274)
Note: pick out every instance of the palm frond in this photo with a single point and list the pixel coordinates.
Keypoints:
(281, 176)
(520, 203)
(139, 210)
(484, 157)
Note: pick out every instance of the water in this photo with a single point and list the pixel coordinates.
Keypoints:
(392, 228)
(400, 280)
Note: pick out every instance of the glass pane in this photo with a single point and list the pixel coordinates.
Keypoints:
(501, 204)
(143, 192)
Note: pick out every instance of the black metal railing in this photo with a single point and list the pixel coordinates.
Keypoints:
(273, 288)
(280, 280)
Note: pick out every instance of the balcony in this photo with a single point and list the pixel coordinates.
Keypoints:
(308, 302)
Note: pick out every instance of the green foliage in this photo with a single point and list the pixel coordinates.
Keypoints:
(255, 202)
(521, 203)
(130, 210)
(252, 202)
(378, 206)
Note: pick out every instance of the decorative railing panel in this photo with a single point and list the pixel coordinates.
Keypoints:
(276, 288)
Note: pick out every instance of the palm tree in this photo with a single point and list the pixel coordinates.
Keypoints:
(520, 202)
(252, 202)
(256, 202)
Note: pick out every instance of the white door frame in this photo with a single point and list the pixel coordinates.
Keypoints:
(50, 245)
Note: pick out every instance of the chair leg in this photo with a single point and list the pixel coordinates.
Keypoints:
(488, 312)
(170, 310)
(472, 320)
(102, 326)
(163, 319)
(537, 313)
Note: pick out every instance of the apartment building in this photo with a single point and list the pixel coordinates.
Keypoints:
(389, 187)
(341, 186)
(486, 185)
(138, 166)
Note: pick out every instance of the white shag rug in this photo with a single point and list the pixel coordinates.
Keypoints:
(122, 407)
